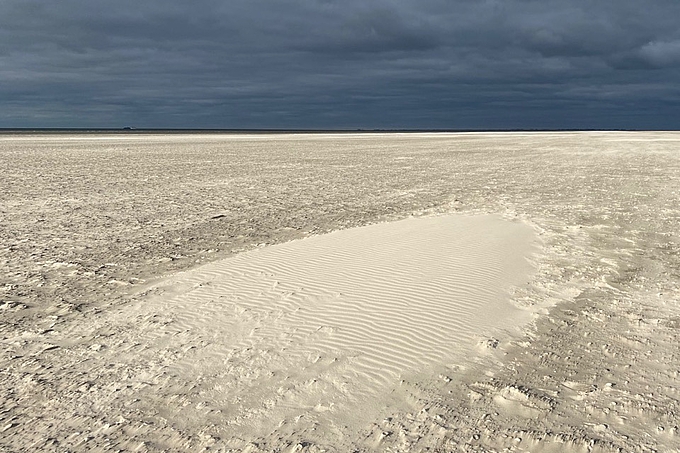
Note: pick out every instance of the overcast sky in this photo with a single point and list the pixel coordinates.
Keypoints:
(340, 64)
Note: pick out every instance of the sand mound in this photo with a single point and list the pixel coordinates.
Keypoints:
(309, 338)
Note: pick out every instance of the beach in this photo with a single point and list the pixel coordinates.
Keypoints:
(340, 292)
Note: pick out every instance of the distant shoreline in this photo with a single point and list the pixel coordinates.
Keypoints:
(285, 131)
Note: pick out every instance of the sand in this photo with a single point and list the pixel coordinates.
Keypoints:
(309, 340)
(480, 292)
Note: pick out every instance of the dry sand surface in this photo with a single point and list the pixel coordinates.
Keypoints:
(476, 292)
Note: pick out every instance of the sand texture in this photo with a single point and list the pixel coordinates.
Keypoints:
(476, 292)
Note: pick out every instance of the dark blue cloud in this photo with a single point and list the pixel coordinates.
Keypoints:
(332, 64)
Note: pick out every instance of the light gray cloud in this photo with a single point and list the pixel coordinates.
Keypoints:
(327, 64)
(661, 53)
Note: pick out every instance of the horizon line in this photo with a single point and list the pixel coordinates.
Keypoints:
(133, 130)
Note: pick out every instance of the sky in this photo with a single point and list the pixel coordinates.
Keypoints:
(330, 64)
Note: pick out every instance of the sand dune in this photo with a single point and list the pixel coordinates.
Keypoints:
(317, 332)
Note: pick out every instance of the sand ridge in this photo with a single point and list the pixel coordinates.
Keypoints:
(312, 336)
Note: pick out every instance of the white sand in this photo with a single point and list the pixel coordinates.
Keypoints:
(310, 338)
(94, 357)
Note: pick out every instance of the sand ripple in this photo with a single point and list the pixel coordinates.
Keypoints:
(317, 332)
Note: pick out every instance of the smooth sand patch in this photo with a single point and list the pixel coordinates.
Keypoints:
(315, 333)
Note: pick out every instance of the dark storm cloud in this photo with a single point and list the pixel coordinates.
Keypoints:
(326, 64)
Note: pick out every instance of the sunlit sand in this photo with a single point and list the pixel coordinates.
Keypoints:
(340, 292)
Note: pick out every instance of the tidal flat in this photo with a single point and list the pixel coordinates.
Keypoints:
(94, 226)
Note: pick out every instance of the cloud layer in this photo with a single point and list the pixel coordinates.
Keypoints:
(331, 64)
